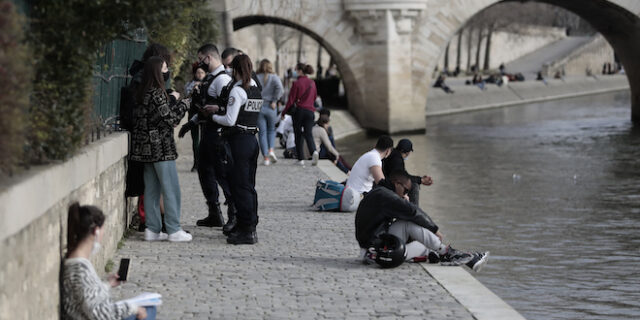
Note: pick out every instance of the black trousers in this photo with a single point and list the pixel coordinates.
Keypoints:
(212, 170)
(244, 148)
(303, 118)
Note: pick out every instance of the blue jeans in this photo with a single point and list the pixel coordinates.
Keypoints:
(267, 124)
(151, 314)
(162, 178)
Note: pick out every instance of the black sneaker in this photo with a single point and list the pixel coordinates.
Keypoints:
(454, 257)
(243, 237)
(478, 261)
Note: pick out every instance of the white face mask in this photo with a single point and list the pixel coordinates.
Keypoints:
(96, 244)
(229, 71)
(405, 158)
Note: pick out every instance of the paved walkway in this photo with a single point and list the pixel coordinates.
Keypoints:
(304, 266)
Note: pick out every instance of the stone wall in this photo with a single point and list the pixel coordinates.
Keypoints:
(470, 98)
(505, 46)
(588, 58)
(32, 255)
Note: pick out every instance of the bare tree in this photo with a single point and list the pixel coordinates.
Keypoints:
(281, 35)
(459, 49)
(469, 41)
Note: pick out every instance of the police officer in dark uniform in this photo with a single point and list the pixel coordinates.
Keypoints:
(240, 126)
(211, 165)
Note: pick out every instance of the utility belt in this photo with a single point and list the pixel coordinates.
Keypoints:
(238, 129)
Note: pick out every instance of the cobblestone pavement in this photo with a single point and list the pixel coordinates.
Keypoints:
(305, 265)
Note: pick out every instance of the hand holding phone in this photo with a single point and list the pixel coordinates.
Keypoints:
(124, 269)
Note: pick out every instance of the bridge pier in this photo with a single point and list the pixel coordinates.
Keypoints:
(386, 28)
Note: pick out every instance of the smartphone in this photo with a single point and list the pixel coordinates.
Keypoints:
(124, 269)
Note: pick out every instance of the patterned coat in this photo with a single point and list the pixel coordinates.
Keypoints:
(152, 135)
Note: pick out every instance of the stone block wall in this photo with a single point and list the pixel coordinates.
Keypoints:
(30, 259)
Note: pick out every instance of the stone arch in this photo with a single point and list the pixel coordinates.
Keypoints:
(344, 62)
(617, 21)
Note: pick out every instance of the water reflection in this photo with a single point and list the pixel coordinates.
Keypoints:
(552, 189)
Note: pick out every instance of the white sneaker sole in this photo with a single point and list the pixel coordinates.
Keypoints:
(161, 237)
(480, 264)
(314, 159)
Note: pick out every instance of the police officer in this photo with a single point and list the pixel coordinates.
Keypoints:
(240, 127)
(211, 168)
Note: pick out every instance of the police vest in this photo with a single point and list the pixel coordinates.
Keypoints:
(203, 98)
(248, 114)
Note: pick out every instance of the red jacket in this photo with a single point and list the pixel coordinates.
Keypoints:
(298, 92)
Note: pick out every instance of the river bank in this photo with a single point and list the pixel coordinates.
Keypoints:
(470, 98)
(305, 265)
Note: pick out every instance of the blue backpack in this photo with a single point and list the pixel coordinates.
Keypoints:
(328, 195)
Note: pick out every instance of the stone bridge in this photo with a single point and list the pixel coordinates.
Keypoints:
(386, 50)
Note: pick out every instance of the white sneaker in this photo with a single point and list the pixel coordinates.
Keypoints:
(180, 236)
(152, 236)
(273, 157)
(301, 163)
(314, 158)
(266, 162)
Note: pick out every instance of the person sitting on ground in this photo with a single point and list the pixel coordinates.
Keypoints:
(323, 151)
(440, 84)
(395, 162)
(386, 209)
(321, 138)
(368, 169)
(84, 295)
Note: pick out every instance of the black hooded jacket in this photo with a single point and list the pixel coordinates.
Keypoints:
(380, 208)
(394, 162)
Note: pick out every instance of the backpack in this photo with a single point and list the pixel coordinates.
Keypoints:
(334, 196)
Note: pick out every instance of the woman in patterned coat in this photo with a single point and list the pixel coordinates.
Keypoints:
(157, 114)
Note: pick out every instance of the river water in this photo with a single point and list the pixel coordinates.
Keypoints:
(551, 189)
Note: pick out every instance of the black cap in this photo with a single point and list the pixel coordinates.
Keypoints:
(404, 145)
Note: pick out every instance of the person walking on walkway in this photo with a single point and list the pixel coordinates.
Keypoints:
(153, 143)
(301, 97)
(84, 295)
(240, 126)
(395, 162)
(272, 91)
(194, 87)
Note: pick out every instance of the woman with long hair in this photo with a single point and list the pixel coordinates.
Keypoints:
(153, 144)
(321, 138)
(272, 90)
(84, 295)
(303, 94)
(240, 126)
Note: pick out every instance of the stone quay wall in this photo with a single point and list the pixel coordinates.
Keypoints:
(33, 224)
(471, 98)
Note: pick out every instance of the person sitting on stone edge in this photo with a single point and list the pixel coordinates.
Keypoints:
(395, 162)
(386, 209)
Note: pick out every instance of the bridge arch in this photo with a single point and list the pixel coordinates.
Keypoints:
(350, 82)
(617, 21)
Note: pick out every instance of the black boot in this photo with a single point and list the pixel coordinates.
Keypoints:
(243, 236)
(215, 218)
(231, 222)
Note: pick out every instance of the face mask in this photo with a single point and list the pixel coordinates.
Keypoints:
(204, 66)
(96, 244)
(294, 74)
(165, 75)
(229, 71)
(405, 158)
